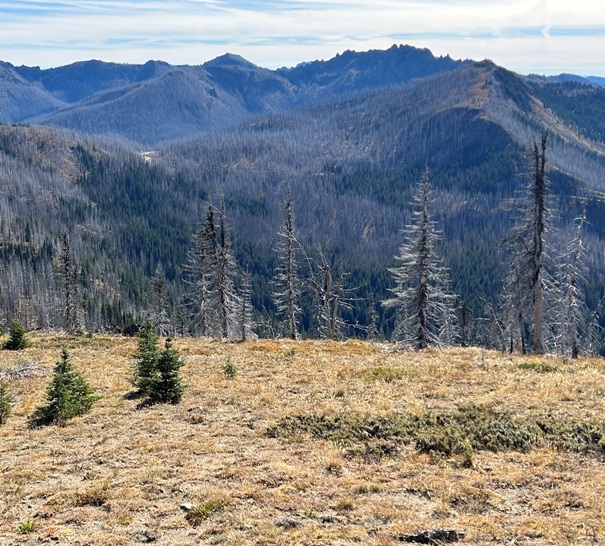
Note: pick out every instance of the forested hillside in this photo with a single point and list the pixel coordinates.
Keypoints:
(347, 139)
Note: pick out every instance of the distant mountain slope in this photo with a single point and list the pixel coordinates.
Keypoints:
(156, 102)
(78, 81)
(352, 71)
(20, 99)
(174, 105)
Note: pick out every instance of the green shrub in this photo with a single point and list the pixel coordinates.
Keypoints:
(68, 395)
(538, 367)
(460, 432)
(17, 339)
(6, 403)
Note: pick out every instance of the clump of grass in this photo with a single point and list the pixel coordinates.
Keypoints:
(381, 373)
(96, 496)
(538, 367)
(26, 527)
(200, 513)
(334, 467)
(344, 505)
(367, 489)
(229, 369)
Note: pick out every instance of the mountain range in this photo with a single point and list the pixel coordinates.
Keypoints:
(124, 156)
(157, 102)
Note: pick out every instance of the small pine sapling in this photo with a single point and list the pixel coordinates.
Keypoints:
(17, 340)
(166, 386)
(6, 404)
(229, 369)
(68, 395)
(146, 363)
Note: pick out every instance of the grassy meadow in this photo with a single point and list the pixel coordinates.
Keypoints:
(307, 443)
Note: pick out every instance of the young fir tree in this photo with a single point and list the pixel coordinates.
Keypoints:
(421, 297)
(68, 395)
(165, 386)
(146, 360)
(6, 403)
(17, 339)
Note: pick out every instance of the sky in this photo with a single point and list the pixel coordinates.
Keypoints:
(527, 36)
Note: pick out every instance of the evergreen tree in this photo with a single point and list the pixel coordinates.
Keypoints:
(68, 395)
(17, 339)
(165, 386)
(421, 297)
(6, 403)
(146, 363)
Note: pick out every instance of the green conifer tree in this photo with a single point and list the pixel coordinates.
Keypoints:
(146, 363)
(17, 340)
(68, 395)
(6, 404)
(166, 386)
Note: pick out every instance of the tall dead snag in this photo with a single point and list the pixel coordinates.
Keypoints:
(528, 271)
(223, 267)
(199, 267)
(537, 192)
(245, 318)
(286, 285)
(70, 298)
(575, 324)
(158, 297)
(421, 297)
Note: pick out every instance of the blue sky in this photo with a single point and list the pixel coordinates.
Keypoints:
(540, 36)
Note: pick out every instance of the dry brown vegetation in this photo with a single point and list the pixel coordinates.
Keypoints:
(121, 474)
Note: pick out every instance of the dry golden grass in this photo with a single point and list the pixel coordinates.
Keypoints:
(119, 475)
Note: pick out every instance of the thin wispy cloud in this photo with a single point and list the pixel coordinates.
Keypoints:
(527, 36)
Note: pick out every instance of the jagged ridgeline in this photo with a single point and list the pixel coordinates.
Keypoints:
(349, 139)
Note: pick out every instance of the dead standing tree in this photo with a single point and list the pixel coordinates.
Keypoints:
(286, 285)
(68, 273)
(529, 282)
(421, 296)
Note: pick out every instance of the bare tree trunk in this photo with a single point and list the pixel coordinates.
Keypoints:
(539, 195)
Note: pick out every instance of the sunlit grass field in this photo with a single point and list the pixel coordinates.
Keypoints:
(301, 442)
